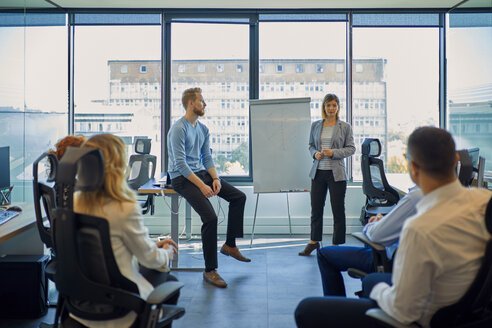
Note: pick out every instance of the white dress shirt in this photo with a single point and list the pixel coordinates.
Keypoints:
(441, 250)
(129, 240)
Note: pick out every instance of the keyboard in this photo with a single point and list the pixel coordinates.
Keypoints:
(7, 215)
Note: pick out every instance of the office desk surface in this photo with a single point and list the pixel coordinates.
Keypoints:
(149, 188)
(25, 220)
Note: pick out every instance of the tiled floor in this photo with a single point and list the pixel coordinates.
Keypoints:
(261, 294)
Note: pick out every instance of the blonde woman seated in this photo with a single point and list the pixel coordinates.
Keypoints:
(130, 241)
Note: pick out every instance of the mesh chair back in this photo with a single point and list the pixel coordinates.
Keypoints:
(374, 183)
(44, 196)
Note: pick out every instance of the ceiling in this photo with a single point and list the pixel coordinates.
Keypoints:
(246, 4)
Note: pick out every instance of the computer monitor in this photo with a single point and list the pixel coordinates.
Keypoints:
(481, 172)
(474, 154)
(4, 168)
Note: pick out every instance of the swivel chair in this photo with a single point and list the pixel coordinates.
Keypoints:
(45, 202)
(87, 276)
(141, 172)
(473, 310)
(380, 196)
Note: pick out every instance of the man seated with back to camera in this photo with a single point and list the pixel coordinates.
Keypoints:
(189, 153)
(385, 230)
(441, 247)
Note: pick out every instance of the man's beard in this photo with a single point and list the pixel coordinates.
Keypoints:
(199, 112)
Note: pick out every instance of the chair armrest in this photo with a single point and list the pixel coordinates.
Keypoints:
(383, 318)
(363, 238)
(164, 291)
(356, 273)
(168, 313)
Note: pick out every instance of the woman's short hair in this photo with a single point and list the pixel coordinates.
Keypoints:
(190, 94)
(68, 141)
(329, 97)
(115, 171)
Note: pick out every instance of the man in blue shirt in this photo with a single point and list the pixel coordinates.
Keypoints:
(384, 230)
(189, 153)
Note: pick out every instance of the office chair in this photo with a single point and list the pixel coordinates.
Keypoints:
(466, 169)
(87, 275)
(380, 259)
(140, 163)
(474, 309)
(45, 201)
(380, 196)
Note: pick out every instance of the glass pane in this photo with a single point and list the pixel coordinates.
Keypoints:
(395, 89)
(117, 78)
(33, 97)
(303, 60)
(469, 98)
(215, 57)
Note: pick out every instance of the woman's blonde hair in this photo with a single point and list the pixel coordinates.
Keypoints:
(329, 97)
(115, 172)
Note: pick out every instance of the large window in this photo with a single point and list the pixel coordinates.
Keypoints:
(33, 91)
(303, 59)
(395, 88)
(117, 82)
(215, 57)
(469, 72)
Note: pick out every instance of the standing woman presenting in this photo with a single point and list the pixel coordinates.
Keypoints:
(330, 141)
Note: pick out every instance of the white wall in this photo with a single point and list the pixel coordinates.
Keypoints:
(272, 217)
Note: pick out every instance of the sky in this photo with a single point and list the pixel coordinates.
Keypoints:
(411, 71)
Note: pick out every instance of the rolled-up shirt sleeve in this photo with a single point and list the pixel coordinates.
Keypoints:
(177, 142)
(387, 230)
(414, 270)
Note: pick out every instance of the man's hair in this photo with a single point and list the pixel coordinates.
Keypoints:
(190, 94)
(433, 150)
(329, 97)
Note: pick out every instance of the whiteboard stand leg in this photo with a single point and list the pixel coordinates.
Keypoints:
(288, 213)
(254, 221)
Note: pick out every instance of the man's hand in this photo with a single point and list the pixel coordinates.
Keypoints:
(376, 218)
(206, 191)
(216, 185)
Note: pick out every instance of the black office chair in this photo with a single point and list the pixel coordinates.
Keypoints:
(87, 274)
(380, 196)
(466, 169)
(142, 171)
(44, 207)
(474, 309)
(380, 259)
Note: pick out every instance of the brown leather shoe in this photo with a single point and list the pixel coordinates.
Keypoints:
(309, 248)
(234, 252)
(213, 278)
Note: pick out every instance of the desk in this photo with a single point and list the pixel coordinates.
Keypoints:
(149, 188)
(400, 181)
(20, 236)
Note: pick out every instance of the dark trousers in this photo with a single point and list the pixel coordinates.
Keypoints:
(322, 182)
(332, 260)
(201, 204)
(338, 311)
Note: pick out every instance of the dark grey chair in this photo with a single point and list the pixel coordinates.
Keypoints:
(380, 196)
(87, 275)
(142, 166)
